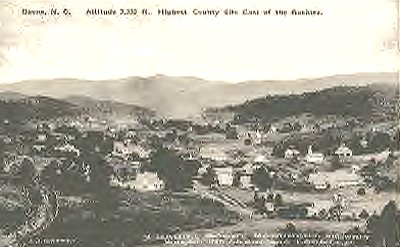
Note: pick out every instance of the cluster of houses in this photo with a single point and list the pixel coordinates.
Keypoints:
(129, 152)
(226, 169)
(127, 172)
(234, 161)
(341, 152)
(336, 179)
(46, 143)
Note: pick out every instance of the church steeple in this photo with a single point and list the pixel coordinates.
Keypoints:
(310, 150)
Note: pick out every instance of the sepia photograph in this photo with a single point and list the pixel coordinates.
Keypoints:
(199, 123)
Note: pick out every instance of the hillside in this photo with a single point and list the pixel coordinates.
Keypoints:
(11, 96)
(38, 107)
(106, 108)
(367, 102)
(22, 108)
(181, 97)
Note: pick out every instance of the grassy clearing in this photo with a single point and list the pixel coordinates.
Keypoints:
(136, 215)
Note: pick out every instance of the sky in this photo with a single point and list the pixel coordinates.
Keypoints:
(352, 36)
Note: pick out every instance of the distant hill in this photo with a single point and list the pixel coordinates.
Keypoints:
(108, 108)
(181, 97)
(366, 102)
(17, 108)
(11, 96)
(38, 107)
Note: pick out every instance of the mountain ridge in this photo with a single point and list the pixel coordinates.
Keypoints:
(364, 102)
(182, 97)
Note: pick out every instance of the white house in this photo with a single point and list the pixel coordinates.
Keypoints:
(344, 178)
(255, 136)
(213, 153)
(343, 151)
(142, 152)
(273, 129)
(248, 169)
(245, 181)
(203, 170)
(258, 138)
(224, 175)
(319, 181)
(246, 174)
(144, 182)
(38, 147)
(127, 148)
(122, 148)
(338, 179)
(314, 158)
(125, 171)
(269, 207)
(148, 181)
(41, 138)
(291, 153)
(363, 143)
(68, 148)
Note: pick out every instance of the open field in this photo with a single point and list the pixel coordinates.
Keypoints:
(136, 214)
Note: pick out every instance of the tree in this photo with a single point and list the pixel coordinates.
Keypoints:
(335, 212)
(270, 198)
(323, 214)
(209, 177)
(278, 201)
(262, 179)
(396, 140)
(336, 163)
(379, 142)
(176, 173)
(390, 224)
(236, 180)
(94, 172)
(65, 177)
(361, 192)
(98, 171)
(385, 229)
(2, 148)
(26, 172)
(231, 132)
(279, 149)
(247, 142)
(364, 214)
(259, 203)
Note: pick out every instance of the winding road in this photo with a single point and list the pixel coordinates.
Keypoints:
(43, 215)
